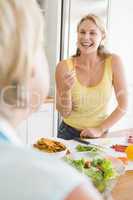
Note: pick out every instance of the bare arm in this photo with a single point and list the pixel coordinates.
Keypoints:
(64, 83)
(120, 89)
(82, 192)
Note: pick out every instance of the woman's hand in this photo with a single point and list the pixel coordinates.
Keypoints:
(64, 82)
(91, 133)
(68, 81)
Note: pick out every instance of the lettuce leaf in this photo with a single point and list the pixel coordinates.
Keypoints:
(100, 171)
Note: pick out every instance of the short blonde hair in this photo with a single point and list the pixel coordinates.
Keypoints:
(21, 34)
(99, 23)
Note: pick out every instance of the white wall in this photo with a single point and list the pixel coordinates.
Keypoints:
(52, 43)
(120, 41)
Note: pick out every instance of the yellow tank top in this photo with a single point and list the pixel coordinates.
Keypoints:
(90, 103)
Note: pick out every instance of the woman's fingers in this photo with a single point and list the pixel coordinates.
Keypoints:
(91, 133)
(69, 75)
(84, 133)
(69, 78)
(87, 133)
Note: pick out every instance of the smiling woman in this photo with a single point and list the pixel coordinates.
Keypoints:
(85, 82)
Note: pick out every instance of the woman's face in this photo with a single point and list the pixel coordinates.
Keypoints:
(89, 37)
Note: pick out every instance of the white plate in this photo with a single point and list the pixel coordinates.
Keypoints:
(55, 154)
(59, 155)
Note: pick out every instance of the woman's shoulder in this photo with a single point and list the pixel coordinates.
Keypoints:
(40, 167)
(64, 61)
(63, 65)
(112, 56)
(116, 62)
(116, 65)
(115, 59)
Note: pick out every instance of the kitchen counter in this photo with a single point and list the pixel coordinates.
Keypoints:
(120, 133)
(124, 187)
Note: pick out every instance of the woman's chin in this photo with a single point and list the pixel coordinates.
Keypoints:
(88, 51)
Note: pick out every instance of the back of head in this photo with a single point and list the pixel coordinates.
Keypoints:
(21, 35)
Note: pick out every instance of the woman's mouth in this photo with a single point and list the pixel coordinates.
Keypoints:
(87, 44)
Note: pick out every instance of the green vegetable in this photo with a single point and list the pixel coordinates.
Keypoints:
(97, 178)
(100, 171)
(78, 164)
(89, 148)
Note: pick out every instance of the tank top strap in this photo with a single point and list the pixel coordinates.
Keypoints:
(70, 64)
(108, 67)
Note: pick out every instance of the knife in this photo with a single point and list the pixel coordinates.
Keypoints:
(77, 139)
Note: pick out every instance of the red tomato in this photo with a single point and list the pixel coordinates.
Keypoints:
(119, 148)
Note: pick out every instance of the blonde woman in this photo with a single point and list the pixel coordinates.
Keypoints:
(85, 82)
(24, 81)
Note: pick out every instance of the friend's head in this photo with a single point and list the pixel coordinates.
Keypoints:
(24, 77)
(91, 35)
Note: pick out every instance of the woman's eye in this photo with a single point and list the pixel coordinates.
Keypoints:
(82, 32)
(93, 33)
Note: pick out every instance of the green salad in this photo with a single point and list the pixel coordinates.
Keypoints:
(89, 148)
(100, 170)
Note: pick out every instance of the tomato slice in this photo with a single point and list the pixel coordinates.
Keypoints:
(119, 147)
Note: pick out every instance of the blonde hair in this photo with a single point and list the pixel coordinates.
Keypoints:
(21, 34)
(98, 22)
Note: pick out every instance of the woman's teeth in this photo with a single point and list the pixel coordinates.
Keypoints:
(86, 44)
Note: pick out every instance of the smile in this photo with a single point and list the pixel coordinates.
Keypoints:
(86, 44)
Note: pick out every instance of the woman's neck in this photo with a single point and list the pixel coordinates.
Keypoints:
(88, 60)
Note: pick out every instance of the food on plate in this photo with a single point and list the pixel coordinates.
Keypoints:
(129, 152)
(89, 148)
(49, 145)
(119, 147)
(100, 170)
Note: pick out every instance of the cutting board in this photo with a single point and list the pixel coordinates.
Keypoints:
(124, 188)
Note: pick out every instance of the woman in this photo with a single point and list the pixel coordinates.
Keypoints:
(85, 82)
(26, 174)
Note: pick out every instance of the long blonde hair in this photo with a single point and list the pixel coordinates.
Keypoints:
(98, 22)
(21, 34)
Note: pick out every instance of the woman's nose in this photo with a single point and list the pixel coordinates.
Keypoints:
(86, 35)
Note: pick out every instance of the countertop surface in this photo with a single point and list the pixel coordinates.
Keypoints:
(124, 187)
